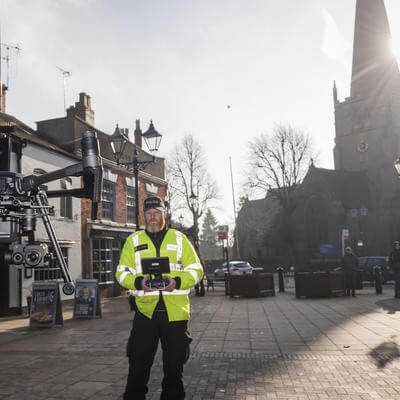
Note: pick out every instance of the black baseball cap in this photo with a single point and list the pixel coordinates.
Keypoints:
(153, 202)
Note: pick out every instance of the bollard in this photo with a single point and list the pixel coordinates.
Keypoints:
(29, 304)
(227, 291)
(280, 280)
(378, 279)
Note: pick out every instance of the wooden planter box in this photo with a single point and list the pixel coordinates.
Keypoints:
(319, 284)
(255, 285)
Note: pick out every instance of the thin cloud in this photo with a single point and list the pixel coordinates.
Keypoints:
(334, 45)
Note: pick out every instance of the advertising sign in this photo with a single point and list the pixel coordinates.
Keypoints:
(328, 249)
(87, 300)
(46, 309)
(222, 232)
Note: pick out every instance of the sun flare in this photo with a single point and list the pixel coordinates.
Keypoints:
(395, 49)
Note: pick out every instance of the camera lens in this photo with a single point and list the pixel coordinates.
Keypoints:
(32, 258)
(17, 258)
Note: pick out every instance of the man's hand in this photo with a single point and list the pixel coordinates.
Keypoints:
(144, 285)
(171, 284)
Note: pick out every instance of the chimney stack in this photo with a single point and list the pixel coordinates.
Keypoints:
(82, 109)
(138, 134)
(3, 98)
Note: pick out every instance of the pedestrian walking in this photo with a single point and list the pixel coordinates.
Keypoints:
(199, 288)
(394, 263)
(350, 265)
(161, 315)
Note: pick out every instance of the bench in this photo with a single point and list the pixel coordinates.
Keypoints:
(213, 281)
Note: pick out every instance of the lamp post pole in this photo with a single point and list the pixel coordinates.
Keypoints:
(193, 201)
(136, 176)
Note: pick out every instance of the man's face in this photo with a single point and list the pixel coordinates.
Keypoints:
(155, 220)
(397, 246)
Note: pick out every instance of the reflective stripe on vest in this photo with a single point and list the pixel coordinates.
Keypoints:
(157, 292)
(175, 267)
(125, 272)
(179, 249)
(138, 261)
(192, 269)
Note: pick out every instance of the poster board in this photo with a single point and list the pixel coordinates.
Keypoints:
(46, 310)
(87, 299)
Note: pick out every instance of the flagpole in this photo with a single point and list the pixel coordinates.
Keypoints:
(234, 210)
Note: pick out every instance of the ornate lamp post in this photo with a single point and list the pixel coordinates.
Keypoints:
(193, 202)
(118, 141)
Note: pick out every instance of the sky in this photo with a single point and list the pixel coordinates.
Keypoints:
(181, 63)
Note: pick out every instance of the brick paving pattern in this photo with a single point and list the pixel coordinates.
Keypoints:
(259, 348)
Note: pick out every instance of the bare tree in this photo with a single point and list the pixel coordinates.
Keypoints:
(277, 165)
(190, 184)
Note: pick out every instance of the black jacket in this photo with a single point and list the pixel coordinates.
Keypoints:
(349, 263)
(394, 260)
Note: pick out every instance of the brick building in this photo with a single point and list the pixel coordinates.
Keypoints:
(103, 238)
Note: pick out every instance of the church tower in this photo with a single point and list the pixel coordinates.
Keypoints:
(368, 122)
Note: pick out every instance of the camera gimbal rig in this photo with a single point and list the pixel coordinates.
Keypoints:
(24, 199)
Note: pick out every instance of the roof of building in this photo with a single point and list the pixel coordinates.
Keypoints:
(106, 150)
(25, 132)
(258, 215)
(351, 188)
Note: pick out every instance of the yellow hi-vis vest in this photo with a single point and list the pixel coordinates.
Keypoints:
(184, 263)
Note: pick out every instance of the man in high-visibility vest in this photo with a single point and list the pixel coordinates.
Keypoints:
(160, 314)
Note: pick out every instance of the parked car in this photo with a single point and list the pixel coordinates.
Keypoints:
(367, 264)
(235, 268)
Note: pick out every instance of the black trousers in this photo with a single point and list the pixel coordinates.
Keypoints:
(199, 288)
(142, 347)
(350, 280)
(397, 284)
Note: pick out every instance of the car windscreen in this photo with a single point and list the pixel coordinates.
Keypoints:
(241, 265)
(362, 260)
(376, 261)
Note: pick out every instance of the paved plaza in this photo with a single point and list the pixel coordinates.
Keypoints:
(256, 348)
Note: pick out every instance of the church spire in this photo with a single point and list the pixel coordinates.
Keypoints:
(375, 69)
(335, 96)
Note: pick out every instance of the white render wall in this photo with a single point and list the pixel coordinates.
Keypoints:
(65, 228)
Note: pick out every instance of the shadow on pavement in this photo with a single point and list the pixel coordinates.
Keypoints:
(390, 349)
(390, 305)
(290, 348)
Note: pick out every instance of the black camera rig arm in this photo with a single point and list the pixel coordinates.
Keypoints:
(91, 169)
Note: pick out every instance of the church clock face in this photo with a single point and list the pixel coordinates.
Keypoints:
(362, 147)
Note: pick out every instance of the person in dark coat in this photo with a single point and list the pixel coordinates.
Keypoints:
(350, 265)
(394, 263)
(199, 288)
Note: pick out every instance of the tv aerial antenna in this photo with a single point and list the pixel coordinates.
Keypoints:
(65, 74)
(8, 48)
(6, 58)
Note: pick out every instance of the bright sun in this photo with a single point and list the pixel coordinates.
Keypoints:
(395, 48)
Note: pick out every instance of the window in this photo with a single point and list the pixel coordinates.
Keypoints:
(130, 205)
(66, 202)
(108, 197)
(102, 260)
(52, 273)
